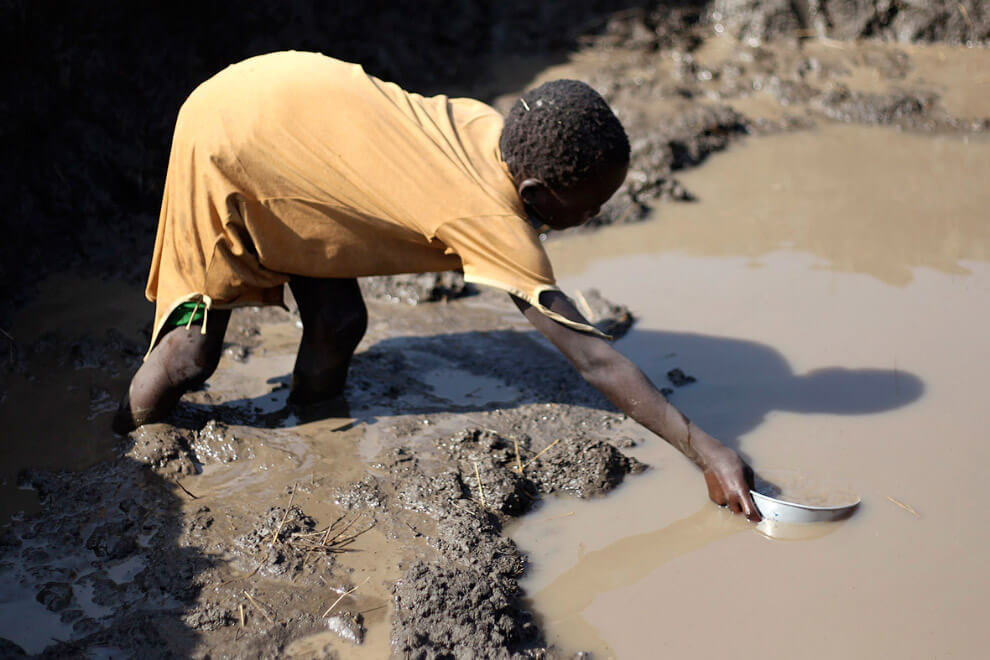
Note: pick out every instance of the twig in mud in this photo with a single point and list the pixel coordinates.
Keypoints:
(481, 488)
(832, 43)
(332, 525)
(563, 515)
(278, 530)
(965, 14)
(543, 451)
(354, 536)
(335, 543)
(904, 506)
(345, 528)
(240, 609)
(464, 509)
(372, 609)
(185, 490)
(243, 577)
(341, 597)
(518, 459)
(258, 607)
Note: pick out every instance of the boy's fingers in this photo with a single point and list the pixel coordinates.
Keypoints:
(749, 508)
(715, 491)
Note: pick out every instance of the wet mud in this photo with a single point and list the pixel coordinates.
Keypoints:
(376, 525)
(236, 525)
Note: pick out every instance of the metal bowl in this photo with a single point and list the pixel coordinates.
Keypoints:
(791, 512)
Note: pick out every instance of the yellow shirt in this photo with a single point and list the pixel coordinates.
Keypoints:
(299, 164)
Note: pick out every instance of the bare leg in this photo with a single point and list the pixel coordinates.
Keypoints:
(334, 319)
(183, 360)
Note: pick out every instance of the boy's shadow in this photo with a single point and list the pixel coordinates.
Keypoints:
(739, 382)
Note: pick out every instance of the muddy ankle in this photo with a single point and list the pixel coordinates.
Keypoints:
(311, 388)
(308, 396)
(128, 419)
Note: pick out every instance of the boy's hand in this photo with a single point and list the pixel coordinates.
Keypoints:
(728, 480)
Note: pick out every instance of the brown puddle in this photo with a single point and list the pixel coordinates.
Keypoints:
(52, 400)
(828, 292)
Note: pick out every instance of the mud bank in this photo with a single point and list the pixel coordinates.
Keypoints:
(238, 527)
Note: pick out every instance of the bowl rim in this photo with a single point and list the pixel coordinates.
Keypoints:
(806, 507)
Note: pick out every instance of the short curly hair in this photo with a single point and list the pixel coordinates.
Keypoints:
(562, 132)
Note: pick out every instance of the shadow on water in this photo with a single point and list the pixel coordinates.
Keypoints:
(739, 382)
(101, 569)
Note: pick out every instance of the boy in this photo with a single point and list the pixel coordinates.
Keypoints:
(295, 168)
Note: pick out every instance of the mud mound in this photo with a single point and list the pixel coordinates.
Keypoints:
(416, 288)
(448, 612)
(272, 542)
(908, 21)
(468, 603)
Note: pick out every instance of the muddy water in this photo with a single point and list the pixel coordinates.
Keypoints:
(51, 400)
(828, 292)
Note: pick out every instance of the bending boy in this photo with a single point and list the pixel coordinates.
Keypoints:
(299, 169)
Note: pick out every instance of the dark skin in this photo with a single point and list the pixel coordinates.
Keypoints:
(334, 319)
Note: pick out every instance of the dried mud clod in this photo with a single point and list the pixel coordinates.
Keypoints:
(952, 21)
(365, 494)
(285, 542)
(174, 452)
(416, 288)
(453, 612)
(678, 378)
(582, 467)
(347, 625)
(164, 449)
(468, 601)
(217, 443)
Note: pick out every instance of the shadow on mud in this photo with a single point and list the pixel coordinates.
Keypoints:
(101, 568)
(738, 384)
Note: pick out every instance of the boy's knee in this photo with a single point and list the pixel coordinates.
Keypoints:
(193, 357)
(341, 329)
(352, 328)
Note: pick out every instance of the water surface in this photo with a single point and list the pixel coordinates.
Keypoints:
(828, 292)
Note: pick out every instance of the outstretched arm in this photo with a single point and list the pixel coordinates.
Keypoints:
(625, 385)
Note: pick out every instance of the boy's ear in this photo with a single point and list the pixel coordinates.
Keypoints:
(532, 191)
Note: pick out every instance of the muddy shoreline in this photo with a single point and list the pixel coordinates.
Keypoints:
(166, 541)
(244, 528)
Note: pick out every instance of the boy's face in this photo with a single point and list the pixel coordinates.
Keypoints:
(570, 208)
